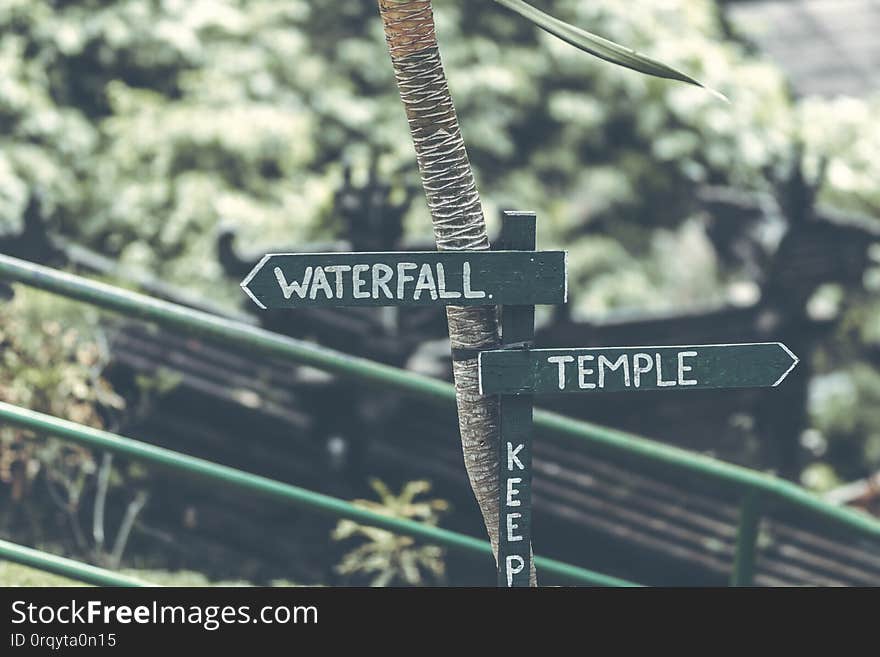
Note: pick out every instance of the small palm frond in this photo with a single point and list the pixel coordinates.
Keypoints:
(387, 556)
(599, 46)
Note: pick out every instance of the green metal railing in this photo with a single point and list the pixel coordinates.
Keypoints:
(76, 570)
(275, 490)
(754, 486)
(746, 540)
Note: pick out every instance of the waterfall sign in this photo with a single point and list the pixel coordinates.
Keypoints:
(455, 278)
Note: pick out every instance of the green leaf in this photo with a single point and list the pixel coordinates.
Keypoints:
(600, 47)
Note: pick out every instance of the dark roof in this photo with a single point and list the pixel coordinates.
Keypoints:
(827, 47)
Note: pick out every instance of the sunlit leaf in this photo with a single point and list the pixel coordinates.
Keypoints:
(599, 46)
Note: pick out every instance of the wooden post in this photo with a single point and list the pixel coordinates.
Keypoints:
(515, 418)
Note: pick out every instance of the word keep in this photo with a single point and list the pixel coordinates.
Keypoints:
(513, 477)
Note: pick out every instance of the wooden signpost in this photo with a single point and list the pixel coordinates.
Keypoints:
(516, 277)
(513, 275)
(515, 422)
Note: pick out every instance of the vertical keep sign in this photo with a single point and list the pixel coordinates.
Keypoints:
(515, 417)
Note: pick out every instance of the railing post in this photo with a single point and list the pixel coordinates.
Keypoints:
(746, 539)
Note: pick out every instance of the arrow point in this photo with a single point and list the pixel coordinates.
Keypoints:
(247, 291)
(253, 272)
(794, 361)
(247, 279)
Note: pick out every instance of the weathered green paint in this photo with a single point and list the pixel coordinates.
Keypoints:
(614, 369)
(462, 278)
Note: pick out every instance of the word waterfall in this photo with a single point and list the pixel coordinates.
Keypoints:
(455, 278)
(378, 281)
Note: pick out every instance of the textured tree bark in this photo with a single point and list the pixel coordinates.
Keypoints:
(459, 224)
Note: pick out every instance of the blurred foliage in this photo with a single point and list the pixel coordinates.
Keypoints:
(52, 359)
(189, 578)
(143, 126)
(845, 130)
(49, 362)
(845, 408)
(13, 574)
(390, 559)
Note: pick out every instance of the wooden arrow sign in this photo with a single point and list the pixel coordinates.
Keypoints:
(614, 369)
(456, 278)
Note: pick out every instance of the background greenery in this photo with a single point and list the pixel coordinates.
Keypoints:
(142, 127)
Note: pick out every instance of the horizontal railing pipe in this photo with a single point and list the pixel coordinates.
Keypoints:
(76, 570)
(199, 323)
(269, 488)
(781, 490)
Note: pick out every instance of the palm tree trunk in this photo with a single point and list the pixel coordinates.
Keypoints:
(458, 221)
